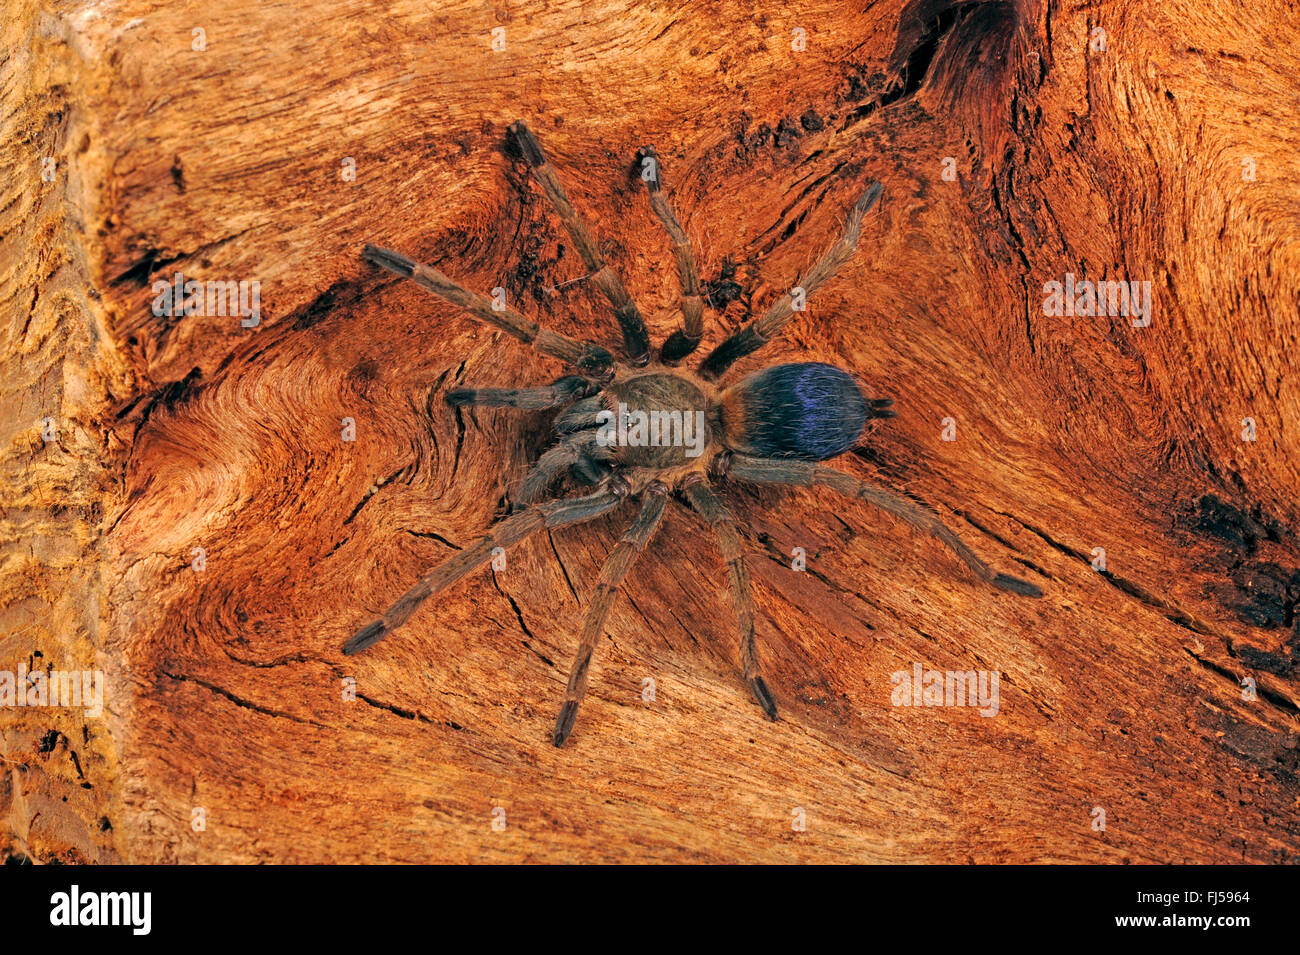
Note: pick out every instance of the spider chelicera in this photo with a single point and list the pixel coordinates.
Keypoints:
(772, 427)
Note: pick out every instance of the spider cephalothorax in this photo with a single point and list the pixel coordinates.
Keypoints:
(646, 428)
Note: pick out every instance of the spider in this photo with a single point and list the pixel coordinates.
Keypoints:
(773, 427)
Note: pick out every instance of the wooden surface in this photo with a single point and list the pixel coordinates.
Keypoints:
(1119, 690)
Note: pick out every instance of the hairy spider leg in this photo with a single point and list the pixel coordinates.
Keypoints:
(590, 360)
(509, 531)
(636, 340)
(581, 447)
(617, 564)
(805, 474)
(580, 416)
(716, 515)
(687, 338)
(588, 470)
(756, 334)
(559, 394)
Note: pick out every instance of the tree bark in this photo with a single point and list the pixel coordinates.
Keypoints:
(1155, 686)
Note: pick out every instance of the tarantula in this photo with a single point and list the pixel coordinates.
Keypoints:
(772, 427)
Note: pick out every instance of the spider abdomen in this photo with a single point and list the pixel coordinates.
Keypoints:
(807, 411)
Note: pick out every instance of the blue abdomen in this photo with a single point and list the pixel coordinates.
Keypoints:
(807, 411)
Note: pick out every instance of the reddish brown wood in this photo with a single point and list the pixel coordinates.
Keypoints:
(1119, 690)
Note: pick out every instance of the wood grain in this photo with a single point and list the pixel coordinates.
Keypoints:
(1120, 690)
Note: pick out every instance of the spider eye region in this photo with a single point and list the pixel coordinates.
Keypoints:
(807, 411)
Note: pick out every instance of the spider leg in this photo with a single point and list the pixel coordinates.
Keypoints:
(685, 340)
(555, 462)
(636, 340)
(590, 471)
(580, 416)
(528, 399)
(756, 334)
(715, 513)
(590, 360)
(617, 564)
(505, 533)
(805, 474)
